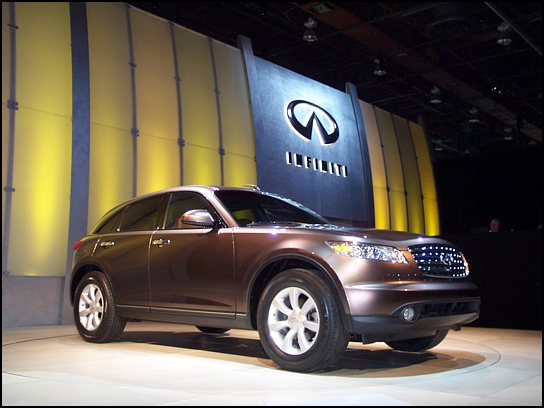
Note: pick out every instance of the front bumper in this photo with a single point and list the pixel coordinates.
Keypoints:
(376, 310)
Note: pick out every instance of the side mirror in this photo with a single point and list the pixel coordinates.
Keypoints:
(199, 218)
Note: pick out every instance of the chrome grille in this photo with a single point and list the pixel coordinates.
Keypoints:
(439, 261)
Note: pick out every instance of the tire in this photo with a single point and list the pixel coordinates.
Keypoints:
(420, 344)
(212, 330)
(94, 310)
(305, 337)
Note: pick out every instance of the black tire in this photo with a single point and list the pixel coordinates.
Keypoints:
(212, 330)
(420, 344)
(307, 337)
(94, 310)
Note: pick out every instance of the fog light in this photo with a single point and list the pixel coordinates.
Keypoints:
(408, 314)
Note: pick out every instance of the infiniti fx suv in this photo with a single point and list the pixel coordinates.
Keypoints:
(223, 258)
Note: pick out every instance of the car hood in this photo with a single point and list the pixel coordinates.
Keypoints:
(366, 233)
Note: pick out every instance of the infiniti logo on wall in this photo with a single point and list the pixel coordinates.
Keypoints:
(303, 115)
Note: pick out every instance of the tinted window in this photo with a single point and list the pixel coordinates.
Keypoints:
(110, 224)
(141, 215)
(262, 208)
(179, 204)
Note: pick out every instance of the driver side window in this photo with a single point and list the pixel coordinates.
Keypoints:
(179, 204)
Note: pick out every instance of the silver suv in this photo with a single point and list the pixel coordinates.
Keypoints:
(225, 258)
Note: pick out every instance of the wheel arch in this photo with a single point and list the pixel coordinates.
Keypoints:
(78, 275)
(281, 263)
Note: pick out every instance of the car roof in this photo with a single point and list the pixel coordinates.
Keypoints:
(206, 190)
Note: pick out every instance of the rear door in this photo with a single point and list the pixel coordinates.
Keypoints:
(123, 251)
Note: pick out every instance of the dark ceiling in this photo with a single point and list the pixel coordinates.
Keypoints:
(450, 46)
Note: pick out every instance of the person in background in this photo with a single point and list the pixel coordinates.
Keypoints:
(494, 225)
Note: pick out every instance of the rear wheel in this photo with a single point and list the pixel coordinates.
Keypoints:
(212, 330)
(300, 324)
(94, 310)
(420, 344)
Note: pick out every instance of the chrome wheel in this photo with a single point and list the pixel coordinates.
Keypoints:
(94, 309)
(299, 322)
(91, 307)
(293, 321)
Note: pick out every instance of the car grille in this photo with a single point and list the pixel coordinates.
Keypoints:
(439, 261)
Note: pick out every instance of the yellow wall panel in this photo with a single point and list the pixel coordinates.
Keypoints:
(411, 175)
(416, 221)
(432, 219)
(156, 98)
(394, 171)
(111, 163)
(44, 59)
(408, 156)
(393, 165)
(239, 170)
(428, 185)
(111, 170)
(42, 148)
(40, 209)
(399, 219)
(158, 164)
(381, 208)
(379, 177)
(198, 101)
(111, 94)
(201, 166)
(236, 121)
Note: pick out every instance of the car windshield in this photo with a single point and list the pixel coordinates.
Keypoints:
(260, 208)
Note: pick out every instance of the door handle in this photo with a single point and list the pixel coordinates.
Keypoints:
(107, 244)
(160, 242)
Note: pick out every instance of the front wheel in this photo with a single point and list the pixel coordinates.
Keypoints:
(300, 324)
(94, 310)
(420, 344)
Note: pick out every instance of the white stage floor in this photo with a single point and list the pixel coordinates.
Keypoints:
(165, 364)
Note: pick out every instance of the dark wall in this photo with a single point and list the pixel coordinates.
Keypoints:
(475, 190)
(507, 267)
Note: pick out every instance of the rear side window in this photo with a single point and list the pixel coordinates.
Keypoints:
(110, 224)
(142, 215)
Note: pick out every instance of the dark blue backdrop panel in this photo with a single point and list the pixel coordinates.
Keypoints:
(308, 147)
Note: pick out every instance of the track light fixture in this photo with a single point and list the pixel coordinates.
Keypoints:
(309, 34)
(379, 69)
(504, 38)
(435, 95)
(475, 115)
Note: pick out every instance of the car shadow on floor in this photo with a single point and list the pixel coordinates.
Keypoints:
(357, 359)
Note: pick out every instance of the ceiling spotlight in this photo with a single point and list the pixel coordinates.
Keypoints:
(474, 112)
(435, 95)
(309, 34)
(504, 38)
(379, 69)
(508, 133)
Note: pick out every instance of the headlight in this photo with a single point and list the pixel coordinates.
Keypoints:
(368, 251)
